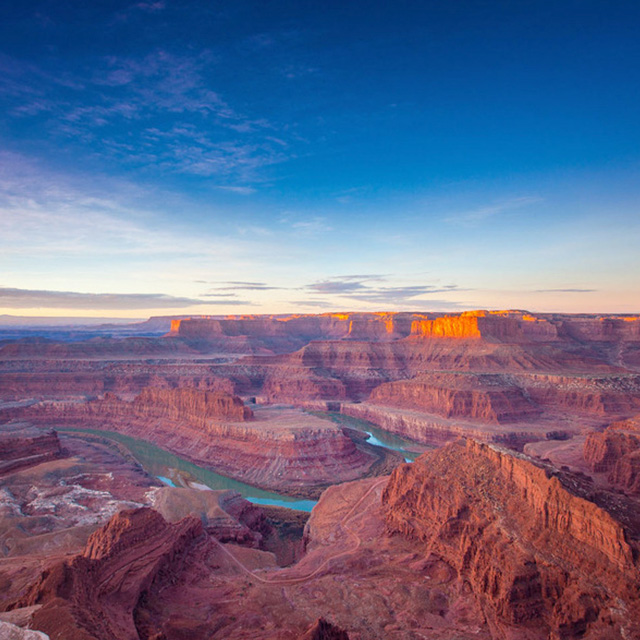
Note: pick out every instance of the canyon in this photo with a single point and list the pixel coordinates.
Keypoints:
(520, 520)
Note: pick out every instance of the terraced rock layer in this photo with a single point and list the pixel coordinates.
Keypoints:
(24, 446)
(484, 397)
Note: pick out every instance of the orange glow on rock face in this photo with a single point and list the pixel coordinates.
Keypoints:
(467, 325)
(447, 327)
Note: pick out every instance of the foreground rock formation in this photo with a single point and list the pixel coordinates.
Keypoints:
(469, 542)
(95, 594)
(534, 548)
(323, 630)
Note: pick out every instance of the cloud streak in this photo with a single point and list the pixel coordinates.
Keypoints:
(361, 289)
(37, 299)
(475, 217)
(241, 285)
(565, 291)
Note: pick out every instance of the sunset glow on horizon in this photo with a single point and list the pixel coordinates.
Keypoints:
(198, 158)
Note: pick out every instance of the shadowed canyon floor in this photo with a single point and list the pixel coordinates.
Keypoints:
(527, 529)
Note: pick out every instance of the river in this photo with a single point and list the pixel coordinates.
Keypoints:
(377, 437)
(178, 472)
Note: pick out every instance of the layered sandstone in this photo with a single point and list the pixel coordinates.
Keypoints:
(22, 445)
(537, 555)
(192, 405)
(602, 328)
(616, 451)
(433, 429)
(504, 376)
(95, 595)
(46, 378)
(355, 326)
(43, 348)
(352, 369)
(448, 327)
(498, 325)
(484, 397)
(605, 395)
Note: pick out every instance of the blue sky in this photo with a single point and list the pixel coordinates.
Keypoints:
(164, 157)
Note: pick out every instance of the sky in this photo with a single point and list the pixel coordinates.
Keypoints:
(169, 157)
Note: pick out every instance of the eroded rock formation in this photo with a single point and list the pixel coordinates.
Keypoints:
(192, 405)
(22, 445)
(499, 325)
(536, 552)
(616, 450)
(94, 595)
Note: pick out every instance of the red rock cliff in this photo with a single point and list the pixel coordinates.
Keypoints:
(501, 325)
(483, 397)
(192, 404)
(94, 595)
(535, 554)
(617, 450)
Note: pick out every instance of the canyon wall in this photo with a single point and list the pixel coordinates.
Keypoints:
(192, 405)
(195, 407)
(595, 395)
(499, 325)
(533, 548)
(336, 326)
(46, 378)
(484, 397)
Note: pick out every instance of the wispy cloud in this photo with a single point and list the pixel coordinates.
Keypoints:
(400, 295)
(343, 284)
(565, 291)
(319, 304)
(42, 213)
(52, 223)
(223, 296)
(241, 285)
(340, 287)
(159, 110)
(364, 288)
(37, 299)
(474, 217)
(243, 191)
(307, 227)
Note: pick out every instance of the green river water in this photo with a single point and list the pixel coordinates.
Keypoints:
(178, 472)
